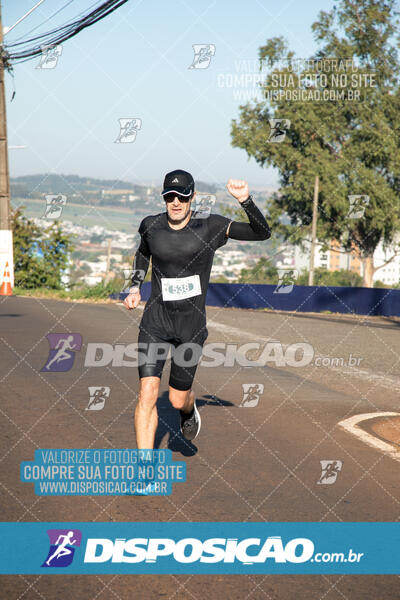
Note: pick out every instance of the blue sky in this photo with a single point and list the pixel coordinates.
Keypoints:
(134, 64)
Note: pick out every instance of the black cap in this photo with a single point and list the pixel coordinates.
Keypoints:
(180, 182)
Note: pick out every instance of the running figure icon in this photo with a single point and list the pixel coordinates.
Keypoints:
(62, 549)
(62, 346)
(63, 545)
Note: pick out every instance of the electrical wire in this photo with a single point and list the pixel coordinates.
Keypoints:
(45, 21)
(13, 52)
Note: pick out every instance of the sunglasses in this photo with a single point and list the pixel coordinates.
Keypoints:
(171, 197)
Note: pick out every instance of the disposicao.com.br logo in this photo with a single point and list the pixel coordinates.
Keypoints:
(247, 551)
(191, 552)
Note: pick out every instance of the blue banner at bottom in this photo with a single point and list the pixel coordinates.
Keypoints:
(209, 548)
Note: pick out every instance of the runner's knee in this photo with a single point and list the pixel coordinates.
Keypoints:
(178, 398)
(148, 393)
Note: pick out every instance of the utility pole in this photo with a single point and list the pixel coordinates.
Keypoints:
(313, 231)
(107, 277)
(6, 248)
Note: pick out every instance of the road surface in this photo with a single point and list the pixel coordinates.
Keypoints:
(250, 463)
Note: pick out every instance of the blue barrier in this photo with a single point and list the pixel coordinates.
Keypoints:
(303, 298)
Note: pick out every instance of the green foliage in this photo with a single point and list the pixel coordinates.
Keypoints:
(100, 290)
(354, 146)
(262, 272)
(332, 278)
(265, 272)
(40, 255)
(380, 284)
(220, 279)
(85, 292)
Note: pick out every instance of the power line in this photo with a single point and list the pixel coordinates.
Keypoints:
(24, 16)
(75, 26)
(12, 53)
(48, 19)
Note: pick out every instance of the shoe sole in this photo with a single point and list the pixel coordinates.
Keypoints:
(196, 412)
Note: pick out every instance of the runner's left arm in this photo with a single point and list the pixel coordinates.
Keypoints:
(256, 229)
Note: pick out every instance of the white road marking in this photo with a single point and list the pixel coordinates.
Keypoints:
(350, 425)
(235, 331)
(388, 382)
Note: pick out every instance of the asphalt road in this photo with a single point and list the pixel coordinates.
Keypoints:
(259, 463)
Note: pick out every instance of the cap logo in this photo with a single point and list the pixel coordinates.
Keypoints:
(176, 180)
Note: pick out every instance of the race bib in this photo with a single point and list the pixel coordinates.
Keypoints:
(179, 288)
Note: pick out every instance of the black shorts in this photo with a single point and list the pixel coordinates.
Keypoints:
(160, 331)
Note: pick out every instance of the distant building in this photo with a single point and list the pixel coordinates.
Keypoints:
(390, 273)
(92, 279)
(336, 259)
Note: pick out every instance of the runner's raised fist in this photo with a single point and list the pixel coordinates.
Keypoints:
(238, 188)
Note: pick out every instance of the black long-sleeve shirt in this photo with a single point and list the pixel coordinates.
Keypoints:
(179, 252)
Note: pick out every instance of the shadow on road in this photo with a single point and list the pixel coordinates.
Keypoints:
(214, 401)
(169, 422)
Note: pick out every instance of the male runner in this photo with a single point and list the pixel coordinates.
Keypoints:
(181, 245)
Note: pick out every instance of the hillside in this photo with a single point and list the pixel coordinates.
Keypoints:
(51, 183)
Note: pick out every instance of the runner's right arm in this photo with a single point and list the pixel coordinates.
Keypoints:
(140, 264)
(140, 267)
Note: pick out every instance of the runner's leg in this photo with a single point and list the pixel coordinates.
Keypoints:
(182, 399)
(150, 371)
(146, 418)
(181, 394)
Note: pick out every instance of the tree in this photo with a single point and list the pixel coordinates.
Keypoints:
(40, 254)
(262, 272)
(332, 278)
(353, 146)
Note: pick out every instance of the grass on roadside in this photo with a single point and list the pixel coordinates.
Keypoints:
(95, 293)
